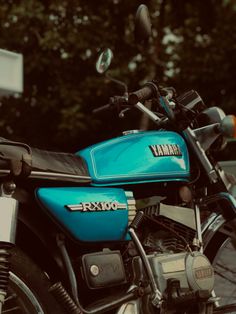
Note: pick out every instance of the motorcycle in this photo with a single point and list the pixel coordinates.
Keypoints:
(142, 223)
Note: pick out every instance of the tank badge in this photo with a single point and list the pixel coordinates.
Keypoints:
(165, 150)
(96, 206)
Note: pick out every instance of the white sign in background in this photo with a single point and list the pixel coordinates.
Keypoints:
(11, 72)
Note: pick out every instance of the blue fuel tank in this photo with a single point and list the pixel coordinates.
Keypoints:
(150, 156)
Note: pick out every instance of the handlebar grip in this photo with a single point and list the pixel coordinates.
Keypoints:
(146, 92)
(140, 95)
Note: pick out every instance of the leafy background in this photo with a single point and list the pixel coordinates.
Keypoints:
(193, 47)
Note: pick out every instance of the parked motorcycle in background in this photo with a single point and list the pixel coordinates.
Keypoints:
(143, 223)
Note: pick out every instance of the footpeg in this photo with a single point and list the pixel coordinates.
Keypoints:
(179, 296)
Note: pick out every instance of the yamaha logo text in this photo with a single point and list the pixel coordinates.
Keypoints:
(96, 206)
(166, 150)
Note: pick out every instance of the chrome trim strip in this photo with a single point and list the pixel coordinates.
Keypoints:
(39, 174)
(52, 175)
(97, 206)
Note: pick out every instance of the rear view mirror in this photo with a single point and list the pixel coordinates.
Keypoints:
(143, 27)
(104, 61)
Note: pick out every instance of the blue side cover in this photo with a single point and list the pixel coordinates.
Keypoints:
(129, 159)
(93, 226)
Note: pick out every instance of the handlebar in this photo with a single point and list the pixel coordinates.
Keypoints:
(116, 101)
(148, 91)
(102, 108)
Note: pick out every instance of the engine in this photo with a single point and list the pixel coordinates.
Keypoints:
(181, 275)
(183, 278)
(178, 267)
(192, 271)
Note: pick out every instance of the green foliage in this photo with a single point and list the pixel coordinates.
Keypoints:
(193, 48)
(206, 54)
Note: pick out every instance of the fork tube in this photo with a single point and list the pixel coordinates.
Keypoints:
(192, 140)
(198, 228)
(8, 220)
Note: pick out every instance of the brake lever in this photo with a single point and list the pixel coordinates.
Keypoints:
(115, 101)
(122, 113)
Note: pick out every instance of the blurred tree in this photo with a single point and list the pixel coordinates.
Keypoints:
(193, 46)
(204, 56)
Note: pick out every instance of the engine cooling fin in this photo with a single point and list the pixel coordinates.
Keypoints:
(131, 206)
(181, 229)
(171, 237)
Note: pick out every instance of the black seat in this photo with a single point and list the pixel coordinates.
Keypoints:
(60, 163)
(41, 163)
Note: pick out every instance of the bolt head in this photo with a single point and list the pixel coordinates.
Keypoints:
(94, 270)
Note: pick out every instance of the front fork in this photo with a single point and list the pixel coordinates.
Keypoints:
(8, 221)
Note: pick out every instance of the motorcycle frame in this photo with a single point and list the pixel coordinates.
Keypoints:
(9, 205)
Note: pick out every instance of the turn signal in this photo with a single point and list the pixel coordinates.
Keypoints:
(234, 118)
(228, 126)
(185, 194)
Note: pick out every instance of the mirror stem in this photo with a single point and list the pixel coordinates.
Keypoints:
(118, 82)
